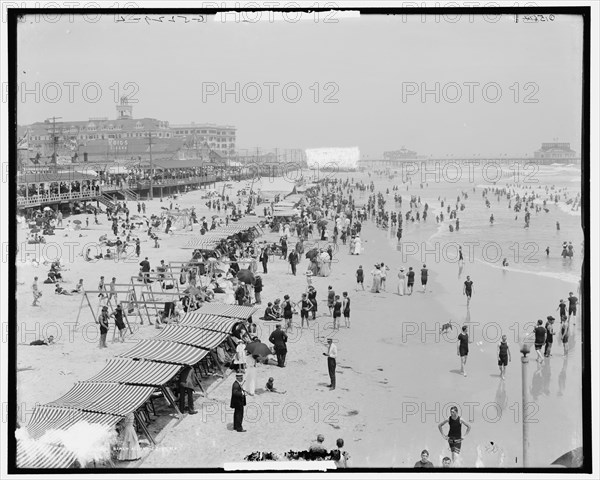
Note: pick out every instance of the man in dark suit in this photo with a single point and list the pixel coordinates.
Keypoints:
(186, 386)
(264, 258)
(238, 401)
(279, 338)
(293, 259)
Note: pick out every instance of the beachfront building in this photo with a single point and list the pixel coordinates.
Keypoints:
(556, 152)
(100, 139)
(220, 138)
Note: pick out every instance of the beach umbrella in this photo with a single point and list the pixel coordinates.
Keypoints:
(246, 276)
(35, 230)
(572, 459)
(77, 222)
(312, 253)
(259, 349)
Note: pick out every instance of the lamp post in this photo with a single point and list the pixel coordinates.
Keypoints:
(525, 349)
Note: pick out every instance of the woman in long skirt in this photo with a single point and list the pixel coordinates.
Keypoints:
(250, 384)
(357, 246)
(129, 445)
(401, 282)
(376, 280)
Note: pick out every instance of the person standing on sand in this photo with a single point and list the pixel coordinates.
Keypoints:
(264, 259)
(312, 296)
(454, 436)
(462, 349)
(35, 292)
(384, 269)
(401, 282)
(238, 402)
(410, 276)
(468, 289)
(540, 339)
(305, 308)
(103, 321)
(360, 278)
(337, 312)
(279, 339)
(346, 309)
(186, 387)
(293, 259)
(424, 275)
(376, 273)
(331, 362)
(503, 356)
(330, 299)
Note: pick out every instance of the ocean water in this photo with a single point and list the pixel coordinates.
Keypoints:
(523, 248)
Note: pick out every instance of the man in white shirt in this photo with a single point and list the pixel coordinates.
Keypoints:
(331, 361)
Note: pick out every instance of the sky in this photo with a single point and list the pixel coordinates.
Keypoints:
(438, 86)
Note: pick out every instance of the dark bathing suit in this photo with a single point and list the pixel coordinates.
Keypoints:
(347, 309)
(503, 355)
(468, 286)
(463, 348)
(455, 435)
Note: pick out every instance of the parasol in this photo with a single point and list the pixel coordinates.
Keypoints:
(259, 349)
(77, 222)
(47, 209)
(35, 230)
(311, 254)
(246, 276)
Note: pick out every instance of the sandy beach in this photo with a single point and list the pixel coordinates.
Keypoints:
(397, 375)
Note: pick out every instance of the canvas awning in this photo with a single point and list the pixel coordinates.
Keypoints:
(113, 398)
(33, 454)
(46, 418)
(198, 337)
(209, 322)
(225, 310)
(139, 372)
(285, 213)
(165, 351)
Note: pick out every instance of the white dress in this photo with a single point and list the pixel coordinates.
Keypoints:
(129, 443)
(401, 283)
(357, 246)
(250, 384)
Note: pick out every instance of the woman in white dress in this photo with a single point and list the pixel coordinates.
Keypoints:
(352, 246)
(357, 246)
(286, 230)
(250, 385)
(401, 282)
(324, 264)
(129, 445)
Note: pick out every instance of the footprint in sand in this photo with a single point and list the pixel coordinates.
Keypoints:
(351, 413)
(380, 369)
(337, 427)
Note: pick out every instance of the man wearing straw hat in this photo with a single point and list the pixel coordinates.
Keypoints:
(238, 402)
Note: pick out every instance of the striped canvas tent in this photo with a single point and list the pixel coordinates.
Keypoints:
(137, 372)
(112, 398)
(32, 454)
(198, 337)
(232, 311)
(165, 351)
(203, 243)
(208, 322)
(46, 418)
